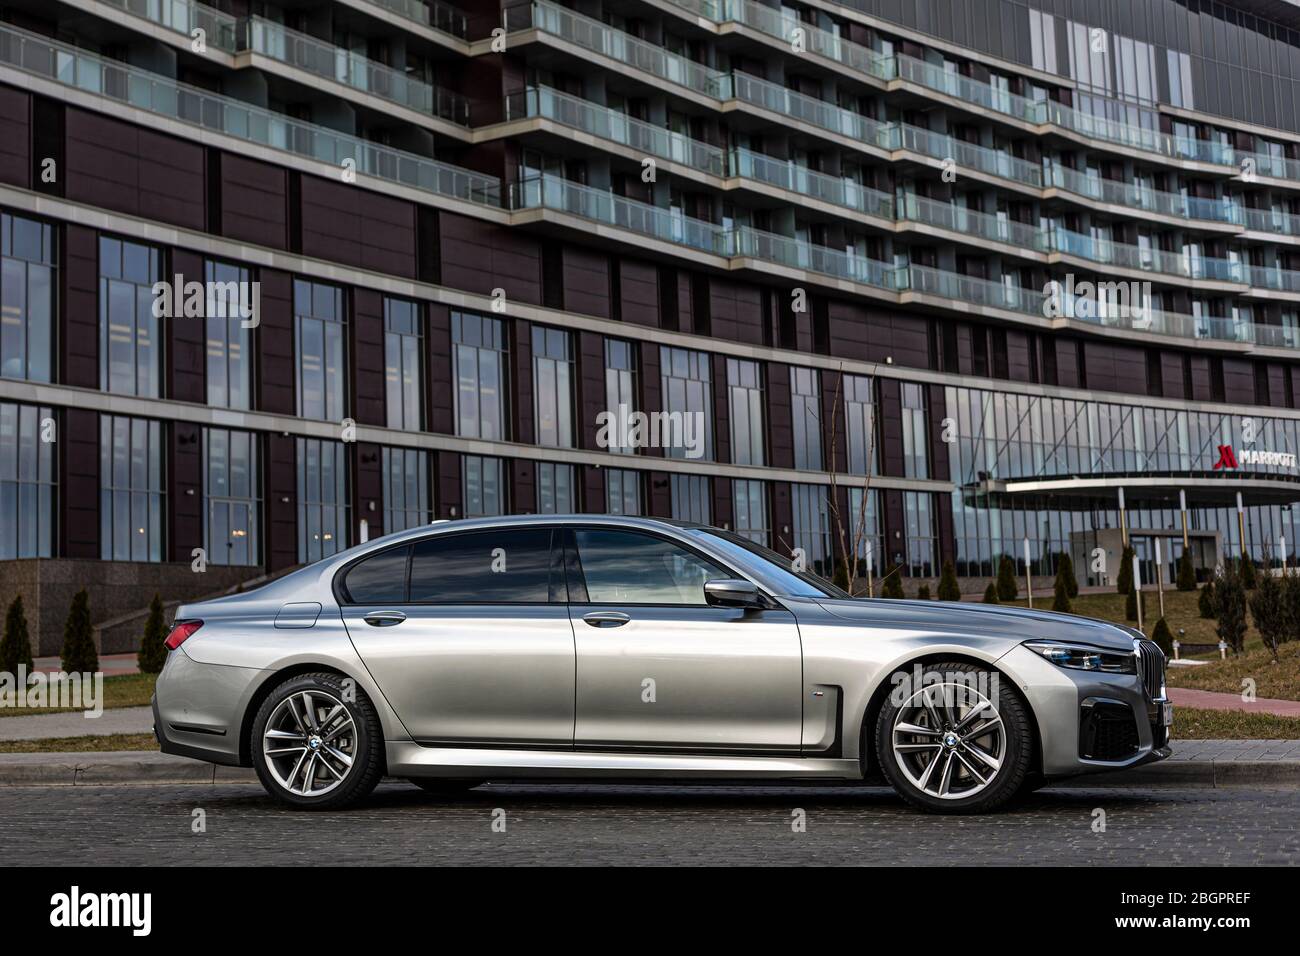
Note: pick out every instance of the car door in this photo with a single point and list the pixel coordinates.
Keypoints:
(468, 636)
(660, 669)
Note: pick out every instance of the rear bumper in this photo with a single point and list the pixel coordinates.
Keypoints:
(198, 708)
(169, 746)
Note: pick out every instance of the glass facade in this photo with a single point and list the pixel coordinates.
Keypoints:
(620, 386)
(130, 343)
(555, 491)
(27, 482)
(690, 498)
(321, 328)
(231, 491)
(27, 284)
(553, 386)
(131, 489)
(622, 491)
(479, 357)
(484, 487)
(750, 503)
(229, 345)
(323, 499)
(812, 528)
(687, 396)
(861, 443)
(402, 360)
(915, 442)
(406, 488)
(805, 414)
(745, 395)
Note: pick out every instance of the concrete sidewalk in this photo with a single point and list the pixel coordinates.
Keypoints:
(1194, 764)
(1213, 700)
(111, 664)
(117, 720)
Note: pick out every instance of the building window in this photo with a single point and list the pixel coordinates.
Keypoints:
(620, 389)
(915, 442)
(553, 386)
(805, 411)
(690, 498)
(322, 499)
(554, 489)
(745, 397)
(26, 483)
(402, 364)
(688, 400)
(231, 483)
(26, 298)
(483, 481)
(129, 343)
(478, 348)
(321, 328)
(229, 343)
(751, 510)
(862, 529)
(921, 542)
(812, 529)
(406, 488)
(131, 489)
(860, 424)
(622, 491)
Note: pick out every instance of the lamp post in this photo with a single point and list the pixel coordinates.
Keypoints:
(1182, 507)
(1123, 520)
(1137, 587)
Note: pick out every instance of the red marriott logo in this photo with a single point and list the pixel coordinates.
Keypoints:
(1227, 459)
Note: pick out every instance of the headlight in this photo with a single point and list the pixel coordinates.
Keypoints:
(1084, 658)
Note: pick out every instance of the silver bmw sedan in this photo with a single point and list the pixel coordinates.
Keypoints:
(637, 649)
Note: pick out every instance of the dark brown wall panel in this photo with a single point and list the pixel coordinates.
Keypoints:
(367, 489)
(891, 430)
(586, 282)
(782, 517)
(593, 489)
(894, 528)
(185, 490)
(119, 166)
(651, 386)
(1172, 381)
(780, 420)
(938, 411)
(736, 311)
(832, 412)
(721, 410)
(448, 494)
(659, 504)
(254, 202)
(480, 256)
(1067, 363)
(438, 369)
(591, 390)
(276, 365)
(868, 334)
(368, 385)
(1116, 368)
(15, 137)
(1202, 387)
(78, 339)
(79, 485)
(186, 365)
(281, 480)
(1238, 381)
(523, 486)
(519, 405)
(724, 503)
(344, 223)
(639, 293)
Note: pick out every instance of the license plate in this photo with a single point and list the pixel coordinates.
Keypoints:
(1166, 714)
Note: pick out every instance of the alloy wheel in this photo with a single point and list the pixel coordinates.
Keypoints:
(949, 740)
(310, 743)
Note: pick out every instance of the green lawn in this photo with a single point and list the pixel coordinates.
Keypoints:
(120, 690)
(1192, 724)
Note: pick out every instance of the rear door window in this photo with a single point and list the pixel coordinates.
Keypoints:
(378, 579)
(497, 566)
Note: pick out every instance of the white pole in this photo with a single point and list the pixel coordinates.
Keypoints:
(1160, 578)
(1123, 520)
(870, 589)
(1029, 579)
(1281, 549)
(1137, 586)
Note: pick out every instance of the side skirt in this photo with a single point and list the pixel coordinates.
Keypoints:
(408, 759)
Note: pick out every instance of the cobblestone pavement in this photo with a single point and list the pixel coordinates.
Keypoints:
(614, 825)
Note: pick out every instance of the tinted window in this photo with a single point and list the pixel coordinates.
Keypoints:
(509, 566)
(624, 567)
(379, 579)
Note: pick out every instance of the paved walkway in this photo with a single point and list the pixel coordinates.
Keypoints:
(120, 720)
(110, 664)
(1212, 700)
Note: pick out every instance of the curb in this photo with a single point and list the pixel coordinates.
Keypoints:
(149, 767)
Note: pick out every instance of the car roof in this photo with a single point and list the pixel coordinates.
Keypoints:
(445, 525)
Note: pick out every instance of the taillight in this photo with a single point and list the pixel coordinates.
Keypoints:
(180, 633)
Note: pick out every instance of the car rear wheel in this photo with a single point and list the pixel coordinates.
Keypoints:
(317, 744)
(954, 738)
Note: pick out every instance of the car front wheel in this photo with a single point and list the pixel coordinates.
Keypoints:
(954, 738)
(317, 745)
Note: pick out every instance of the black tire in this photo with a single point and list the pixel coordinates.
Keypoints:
(368, 759)
(1007, 780)
(445, 786)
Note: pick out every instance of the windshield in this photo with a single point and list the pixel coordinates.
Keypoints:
(781, 570)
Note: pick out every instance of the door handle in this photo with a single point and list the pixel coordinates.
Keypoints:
(384, 618)
(606, 618)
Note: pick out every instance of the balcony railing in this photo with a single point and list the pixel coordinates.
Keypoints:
(616, 126)
(1150, 200)
(442, 17)
(807, 182)
(343, 66)
(808, 109)
(165, 97)
(184, 16)
(980, 225)
(934, 77)
(1106, 252)
(1274, 279)
(1272, 221)
(820, 43)
(969, 156)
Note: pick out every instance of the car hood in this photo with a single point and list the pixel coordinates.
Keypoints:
(981, 619)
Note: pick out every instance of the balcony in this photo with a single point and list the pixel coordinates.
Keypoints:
(818, 42)
(969, 222)
(1133, 196)
(164, 97)
(183, 17)
(342, 66)
(834, 190)
(1106, 252)
(442, 17)
(1272, 221)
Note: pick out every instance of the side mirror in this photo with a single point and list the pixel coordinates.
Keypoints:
(732, 592)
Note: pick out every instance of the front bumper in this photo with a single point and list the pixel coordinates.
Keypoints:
(1088, 722)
